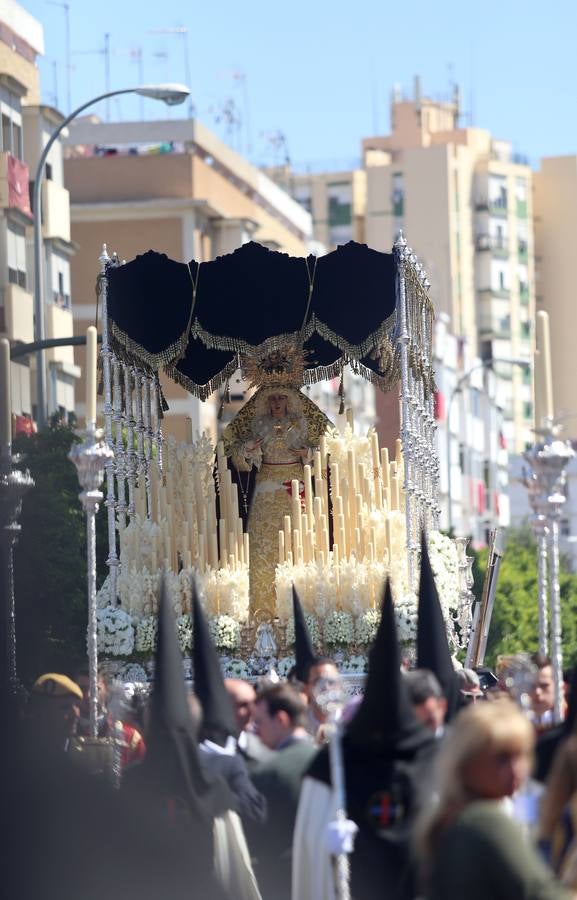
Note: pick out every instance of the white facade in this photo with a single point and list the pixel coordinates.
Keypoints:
(471, 407)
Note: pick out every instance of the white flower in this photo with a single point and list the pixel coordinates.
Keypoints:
(115, 632)
(313, 629)
(367, 625)
(184, 631)
(132, 673)
(146, 631)
(338, 629)
(235, 668)
(225, 632)
(284, 666)
(406, 615)
(354, 665)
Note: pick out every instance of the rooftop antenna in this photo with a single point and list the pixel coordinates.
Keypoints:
(66, 7)
(105, 52)
(239, 76)
(163, 56)
(181, 31)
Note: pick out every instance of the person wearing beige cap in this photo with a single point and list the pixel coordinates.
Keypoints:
(53, 709)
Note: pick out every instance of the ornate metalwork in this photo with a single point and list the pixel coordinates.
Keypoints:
(549, 462)
(14, 483)
(91, 458)
(106, 353)
(130, 454)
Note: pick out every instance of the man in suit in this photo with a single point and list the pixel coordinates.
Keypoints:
(243, 696)
(279, 717)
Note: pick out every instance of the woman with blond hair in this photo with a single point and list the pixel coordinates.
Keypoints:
(468, 845)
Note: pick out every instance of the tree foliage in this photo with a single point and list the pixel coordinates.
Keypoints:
(515, 621)
(50, 557)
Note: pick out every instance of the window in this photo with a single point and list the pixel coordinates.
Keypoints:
(339, 201)
(60, 277)
(527, 410)
(398, 195)
(11, 133)
(16, 254)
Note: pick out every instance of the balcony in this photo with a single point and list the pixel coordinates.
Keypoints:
(17, 314)
(14, 185)
(498, 247)
(499, 293)
(521, 209)
(55, 211)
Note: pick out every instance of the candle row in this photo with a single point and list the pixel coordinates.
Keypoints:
(362, 501)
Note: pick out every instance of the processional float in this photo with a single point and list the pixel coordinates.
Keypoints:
(357, 515)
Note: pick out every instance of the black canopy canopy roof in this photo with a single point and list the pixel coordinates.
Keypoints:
(195, 320)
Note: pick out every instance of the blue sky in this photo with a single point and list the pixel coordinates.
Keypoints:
(321, 73)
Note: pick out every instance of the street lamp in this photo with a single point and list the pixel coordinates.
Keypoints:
(485, 364)
(172, 94)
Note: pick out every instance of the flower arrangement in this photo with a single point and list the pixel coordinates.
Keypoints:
(366, 626)
(184, 632)
(132, 673)
(338, 629)
(115, 633)
(235, 668)
(225, 632)
(406, 615)
(284, 666)
(146, 631)
(354, 665)
(444, 558)
(313, 629)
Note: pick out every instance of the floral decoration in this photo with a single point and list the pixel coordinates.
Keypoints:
(132, 673)
(284, 666)
(313, 629)
(366, 626)
(354, 665)
(406, 615)
(235, 668)
(115, 632)
(338, 629)
(225, 632)
(146, 631)
(184, 631)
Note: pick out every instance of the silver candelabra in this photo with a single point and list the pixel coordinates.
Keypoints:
(14, 483)
(90, 458)
(548, 461)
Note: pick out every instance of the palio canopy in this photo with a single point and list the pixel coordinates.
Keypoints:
(197, 320)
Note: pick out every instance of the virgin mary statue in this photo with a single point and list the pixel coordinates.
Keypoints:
(273, 436)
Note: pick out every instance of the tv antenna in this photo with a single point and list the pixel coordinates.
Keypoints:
(181, 31)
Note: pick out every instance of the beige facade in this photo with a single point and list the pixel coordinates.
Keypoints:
(26, 127)
(555, 200)
(465, 205)
(197, 199)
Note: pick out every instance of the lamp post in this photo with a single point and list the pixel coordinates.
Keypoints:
(485, 364)
(172, 94)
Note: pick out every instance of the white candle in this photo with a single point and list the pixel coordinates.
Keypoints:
(5, 398)
(308, 494)
(281, 547)
(91, 347)
(295, 505)
(543, 374)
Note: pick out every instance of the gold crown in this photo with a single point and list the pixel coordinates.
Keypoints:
(284, 367)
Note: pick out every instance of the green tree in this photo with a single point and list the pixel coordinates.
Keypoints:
(515, 621)
(50, 558)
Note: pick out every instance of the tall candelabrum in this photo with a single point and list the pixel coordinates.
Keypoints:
(548, 461)
(14, 483)
(90, 458)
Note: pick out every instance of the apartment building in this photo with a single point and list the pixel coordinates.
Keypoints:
(26, 127)
(555, 208)
(464, 202)
(174, 187)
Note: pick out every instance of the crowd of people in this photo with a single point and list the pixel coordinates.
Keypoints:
(457, 782)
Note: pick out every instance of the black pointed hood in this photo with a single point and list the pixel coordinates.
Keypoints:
(304, 652)
(433, 651)
(172, 767)
(218, 718)
(385, 717)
